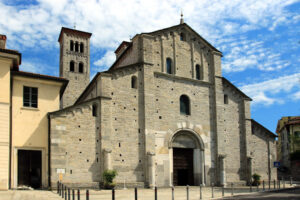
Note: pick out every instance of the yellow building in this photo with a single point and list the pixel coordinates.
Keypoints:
(25, 100)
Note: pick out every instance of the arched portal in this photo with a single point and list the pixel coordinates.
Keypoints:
(188, 158)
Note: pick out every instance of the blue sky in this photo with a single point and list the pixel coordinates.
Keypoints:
(260, 40)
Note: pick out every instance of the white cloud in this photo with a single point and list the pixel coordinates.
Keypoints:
(106, 61)
(268, 92)
(113, 21)
(32, 66)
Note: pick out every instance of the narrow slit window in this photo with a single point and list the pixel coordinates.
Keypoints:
(199, 72)
(225, 99)
(76, 46)
(134, 82)
(94, 110)
(169, 65)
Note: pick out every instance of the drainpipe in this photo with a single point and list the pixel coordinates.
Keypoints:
(49, 151)
(10, 130)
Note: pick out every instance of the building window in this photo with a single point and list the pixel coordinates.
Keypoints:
(71, 45)
(225, 99)
(184, 105)
(72, 66)
(199, 72)
(80, 68)
(81, 47)
(76, 46)
(169, 65)
(95, 110)
(297, 134)
(133, 82)
(182, 37)
(30, 97)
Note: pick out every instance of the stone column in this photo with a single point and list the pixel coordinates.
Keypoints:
(151, 169)
(222, 170)
(171, 167)
(202, 168)
(107, 159)
(197, 166)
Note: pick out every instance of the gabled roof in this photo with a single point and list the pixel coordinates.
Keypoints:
(189, 28)
(73, 31)
(225, 81)
(261, 126)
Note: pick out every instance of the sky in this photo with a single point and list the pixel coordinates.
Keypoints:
(260, 40)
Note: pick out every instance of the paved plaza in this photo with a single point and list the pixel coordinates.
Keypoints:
(180, 193)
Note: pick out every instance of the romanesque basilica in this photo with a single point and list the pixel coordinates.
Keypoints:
(161, 115)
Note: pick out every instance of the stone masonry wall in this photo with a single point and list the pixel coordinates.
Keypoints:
(75, 146)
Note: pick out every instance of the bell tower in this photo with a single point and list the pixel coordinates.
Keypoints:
(74, 63)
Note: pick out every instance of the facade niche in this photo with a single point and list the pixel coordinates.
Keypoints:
(225, 99)
(182, 37)
(94, 110)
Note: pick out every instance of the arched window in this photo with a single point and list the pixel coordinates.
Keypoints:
(133, 82)
(184, 105)
(76, 46)
(94, 110)
(199, 72)
(169, 65)
(182, 37)
(71, 45)
(81, 47)
(72, 66)
(80, 68)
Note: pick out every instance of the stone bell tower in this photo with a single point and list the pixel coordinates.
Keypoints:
(74, 63)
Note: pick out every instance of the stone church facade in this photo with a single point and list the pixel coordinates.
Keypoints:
(161, 115)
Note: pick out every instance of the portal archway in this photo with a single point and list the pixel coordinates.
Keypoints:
(187, 158)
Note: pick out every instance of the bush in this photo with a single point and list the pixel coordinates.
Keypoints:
(256, 179)
(108, 178)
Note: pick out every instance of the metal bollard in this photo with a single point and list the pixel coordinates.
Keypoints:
(257, 187)
(57, 187)
(269, 184)
(113, 194)
(69, 194)
(231, 189)
(135, 193)
(73, 194)
(291, 181)
(274, 184)
(283, 183)
(278, 184)
(250, 187)
(78, 194)
(187, 193)
(200, 192)
(212, 190)
(222, 190)
(263, 185)
(65, 192)
(172, 192)
(87, 195)
(62, 190)
(155, 193)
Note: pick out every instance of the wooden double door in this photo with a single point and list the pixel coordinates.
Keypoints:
(183, 170)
